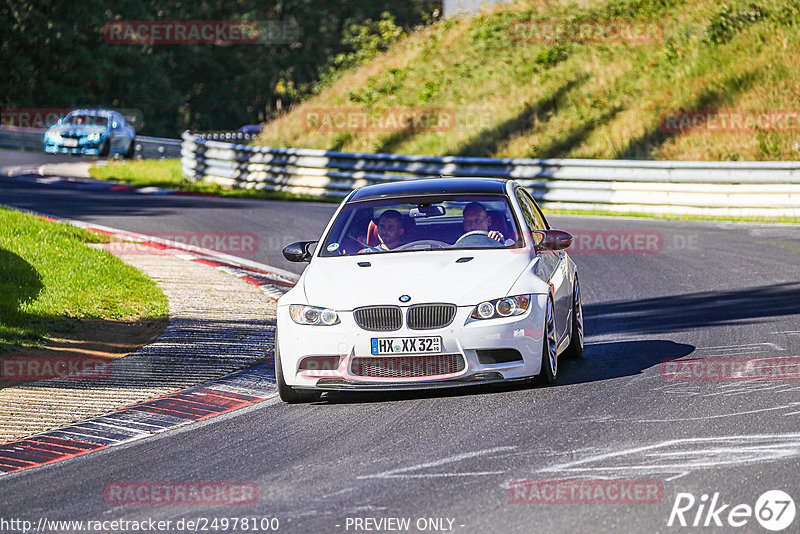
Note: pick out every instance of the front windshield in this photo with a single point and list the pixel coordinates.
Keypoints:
(86, 120)
(423, 223)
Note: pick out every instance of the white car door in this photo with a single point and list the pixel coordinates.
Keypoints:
(555, 263)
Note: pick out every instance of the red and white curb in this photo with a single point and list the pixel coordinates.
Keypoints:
(236, 390)
(141, 420)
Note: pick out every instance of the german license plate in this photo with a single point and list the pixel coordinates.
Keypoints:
(406, 345)
(70, 142)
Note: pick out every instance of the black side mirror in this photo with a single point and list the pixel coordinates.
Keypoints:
(298, 251)
(553, 240)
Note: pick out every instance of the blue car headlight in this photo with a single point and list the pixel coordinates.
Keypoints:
(53, 137)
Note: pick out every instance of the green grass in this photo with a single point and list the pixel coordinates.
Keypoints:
(515, 98)
(147, 172)
(50, 280)
(167, 174)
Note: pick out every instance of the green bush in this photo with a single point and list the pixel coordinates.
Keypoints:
(365, 41)
(729, 22)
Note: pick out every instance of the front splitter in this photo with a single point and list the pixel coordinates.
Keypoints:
(346, 385)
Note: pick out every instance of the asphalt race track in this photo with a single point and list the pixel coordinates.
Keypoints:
(445, 460)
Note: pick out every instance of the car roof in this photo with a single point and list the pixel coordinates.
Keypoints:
(432, 186)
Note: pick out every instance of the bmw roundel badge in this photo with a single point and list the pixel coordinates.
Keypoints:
(404, 298)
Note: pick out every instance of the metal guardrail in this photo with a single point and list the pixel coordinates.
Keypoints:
(24, 138)
(677, 187)
(33, 139)
(156, 148)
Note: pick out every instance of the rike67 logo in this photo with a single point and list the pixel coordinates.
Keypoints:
(774, 510)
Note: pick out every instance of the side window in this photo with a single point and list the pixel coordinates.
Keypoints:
(526, 210)
(533, 217)
(541, 223)
(531, 213)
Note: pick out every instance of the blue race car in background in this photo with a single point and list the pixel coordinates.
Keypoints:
(251, 128)
(91, 131)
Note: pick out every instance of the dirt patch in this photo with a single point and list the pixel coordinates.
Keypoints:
(95, 341)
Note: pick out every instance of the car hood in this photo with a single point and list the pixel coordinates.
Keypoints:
(77, 129)
(431, 276)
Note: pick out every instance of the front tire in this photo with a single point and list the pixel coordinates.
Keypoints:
(575, 348)
(104, 149)
(549, 370)
(286, 392)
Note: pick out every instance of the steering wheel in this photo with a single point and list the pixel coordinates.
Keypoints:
(476, 236)
(433, 243)
(473, 232)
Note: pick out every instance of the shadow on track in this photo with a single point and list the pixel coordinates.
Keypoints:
(615, 359)
(694, 310)
(601, 361)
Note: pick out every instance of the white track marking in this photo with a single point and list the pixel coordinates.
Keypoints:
(791, 405)
(403, 471)
(683, 456)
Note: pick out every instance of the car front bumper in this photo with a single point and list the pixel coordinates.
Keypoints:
(91, 148)
(463, 338)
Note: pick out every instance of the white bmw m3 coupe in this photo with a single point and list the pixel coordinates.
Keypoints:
(429, 283)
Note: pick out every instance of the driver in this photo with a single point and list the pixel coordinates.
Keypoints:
(476, 218)
(391, 230)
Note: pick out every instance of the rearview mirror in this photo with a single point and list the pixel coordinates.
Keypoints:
(298, 251)
(553, 240)
(434, 210)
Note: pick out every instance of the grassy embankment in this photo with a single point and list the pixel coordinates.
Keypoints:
(514, 98)
(52, 283)
(511, 97)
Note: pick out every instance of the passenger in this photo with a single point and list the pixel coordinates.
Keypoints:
(476, 219)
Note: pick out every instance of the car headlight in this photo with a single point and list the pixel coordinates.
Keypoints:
(504, 307)
(313, 315)
(54, 137)
(93, 137)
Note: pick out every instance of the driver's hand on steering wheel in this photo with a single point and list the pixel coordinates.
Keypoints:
(497, 236)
